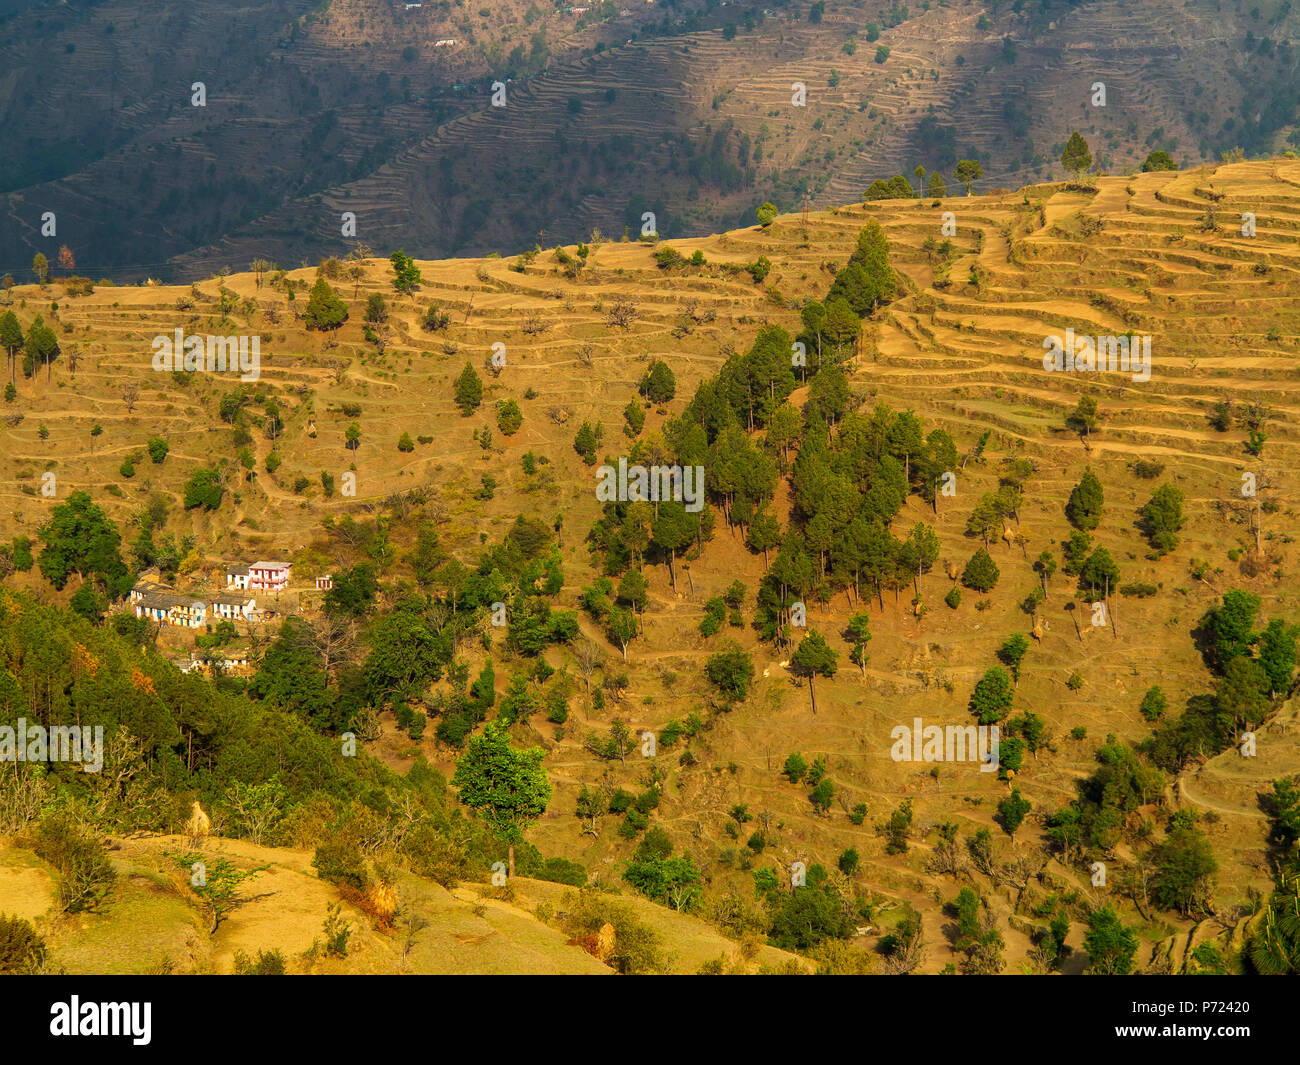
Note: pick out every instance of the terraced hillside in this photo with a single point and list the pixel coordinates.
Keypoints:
(688, 112)
(1158, 255)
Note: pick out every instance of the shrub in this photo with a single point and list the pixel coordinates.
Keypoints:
(509, 417)
(267, 963)
(85, 874)
(1153, 703)
(157, 449)
(22, 950)
(759, 269)
(340, 862)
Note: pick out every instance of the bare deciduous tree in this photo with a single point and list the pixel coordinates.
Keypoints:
(621, 314)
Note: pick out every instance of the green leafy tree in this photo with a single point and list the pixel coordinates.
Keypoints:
(731, 671)
(992, 697)
(981, 572)
(507, 787)
(11, 339)
(1086, 501)
(672, 529)
(203, 489)
(1100, 572)
(41, 346)
(1162, 517)
(659, 384)
(1109, 943)
(1277, 654)
(813, 658)
(22, 950)
(1228, 629)
(80, 539)
(1274, 944)
(1158, 160)
(968, 172)
(1012, 652)
(1012, 811)
(1153, 703)
(1045, 567)
(584, 443)
(1083, 419)
(858, 633)
(468, 390)
(1077, 156)
(325, 311)
(406, 275)
(622, 627)
(509, 417)
(1184, 870)
(766, 214)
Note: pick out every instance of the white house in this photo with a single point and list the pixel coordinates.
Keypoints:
(234, 607)
(143, 588)
(168, 608)
(325, 582)
(236, 576)
(269, 576)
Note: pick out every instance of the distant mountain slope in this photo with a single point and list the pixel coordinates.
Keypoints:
(684, 110)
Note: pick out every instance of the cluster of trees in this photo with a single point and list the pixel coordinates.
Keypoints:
(1252, 668)
(899, 187)
(39, 346)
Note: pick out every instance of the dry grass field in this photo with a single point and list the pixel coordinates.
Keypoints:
(1223, 314)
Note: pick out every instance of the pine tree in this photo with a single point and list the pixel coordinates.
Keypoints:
(813, 658)
(11, 339)
(469, 390)
(1085, 503)
(1077, 156)
(325, 311)
(981, 572)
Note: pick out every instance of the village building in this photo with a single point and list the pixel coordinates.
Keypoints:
(143, 588)
(325, 582)
(269, 576)
(227, 660)
(168, 608)
(236, 576)
(234, 607)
